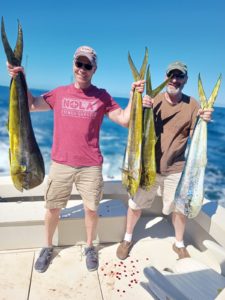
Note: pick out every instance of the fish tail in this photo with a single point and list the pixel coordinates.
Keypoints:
(18, 50)
(8, 50)
(215, 91)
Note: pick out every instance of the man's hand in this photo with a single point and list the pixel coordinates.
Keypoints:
(13, 71)
(205, 114)
(147, 101)
(138, 86)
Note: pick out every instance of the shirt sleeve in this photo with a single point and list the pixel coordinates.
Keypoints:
(110, 103)
(50, 98)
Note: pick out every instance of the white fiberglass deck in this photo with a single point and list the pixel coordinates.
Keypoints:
(68, 278)
(22, 234)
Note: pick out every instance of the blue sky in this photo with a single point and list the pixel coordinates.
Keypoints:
(192, 31)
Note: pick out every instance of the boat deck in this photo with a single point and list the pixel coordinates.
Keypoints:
(68, 278)
(22, 234)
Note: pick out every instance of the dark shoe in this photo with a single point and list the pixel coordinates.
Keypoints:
(123, 250)
(91, 258)
(182, 252)
(43, 260)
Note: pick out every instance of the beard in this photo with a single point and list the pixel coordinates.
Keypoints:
(171, 90)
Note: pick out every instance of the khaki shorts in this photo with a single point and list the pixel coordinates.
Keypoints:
(164, 186)
(88, 181)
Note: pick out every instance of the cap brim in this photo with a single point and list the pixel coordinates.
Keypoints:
(177, 68)
(89, 57)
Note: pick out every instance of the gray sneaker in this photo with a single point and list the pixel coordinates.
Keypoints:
(43, 260)
(91, 258)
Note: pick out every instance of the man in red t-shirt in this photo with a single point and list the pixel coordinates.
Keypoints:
(78, 110)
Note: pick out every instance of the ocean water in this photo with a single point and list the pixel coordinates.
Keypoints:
(113, 140)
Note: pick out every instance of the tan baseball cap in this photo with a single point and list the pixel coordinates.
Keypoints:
(87, 52)
(177, 65)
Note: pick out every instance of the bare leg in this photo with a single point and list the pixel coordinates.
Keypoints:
(179, 223)
(91, 219)
(132, 218)
(126, 245)
(51, 222)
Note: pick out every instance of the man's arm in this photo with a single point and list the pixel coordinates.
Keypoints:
(122, 116)
(35, 103)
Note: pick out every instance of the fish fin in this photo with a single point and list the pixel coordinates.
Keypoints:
(144, 64)
(8, 50)
(9, 156)
(23, 168)
(215, 91)
(124, 170)
(201, 92)
(7, 125)
(135, 73)
(18, 51)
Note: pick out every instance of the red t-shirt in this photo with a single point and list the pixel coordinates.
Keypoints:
(78, 116)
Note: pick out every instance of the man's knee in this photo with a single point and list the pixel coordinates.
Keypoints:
(133, 205)
(90, 212)
(53, 211)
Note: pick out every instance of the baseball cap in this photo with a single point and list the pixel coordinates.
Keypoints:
(87, 52)
(177, 65)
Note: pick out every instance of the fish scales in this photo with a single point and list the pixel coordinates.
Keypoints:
(131, 170)
(148, 173)
(26, 162)
(189, 194)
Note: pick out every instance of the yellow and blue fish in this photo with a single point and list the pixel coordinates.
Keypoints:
(131, 170)
(190, 190)
(26, 162)
(148, 173)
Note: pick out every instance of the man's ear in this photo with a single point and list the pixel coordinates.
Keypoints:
(95, 69)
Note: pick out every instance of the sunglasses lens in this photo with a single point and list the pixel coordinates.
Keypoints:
(79, 65)
(181, 76)
(174, 75)
(88, 67)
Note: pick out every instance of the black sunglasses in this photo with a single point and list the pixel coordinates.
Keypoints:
(176, 75)
(79, 65)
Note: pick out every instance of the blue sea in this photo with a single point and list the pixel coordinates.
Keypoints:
(113, 140)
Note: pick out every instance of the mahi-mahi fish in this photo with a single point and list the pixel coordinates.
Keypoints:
(189, 195)
(26, 162)
(131, 170)
(148, 173)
